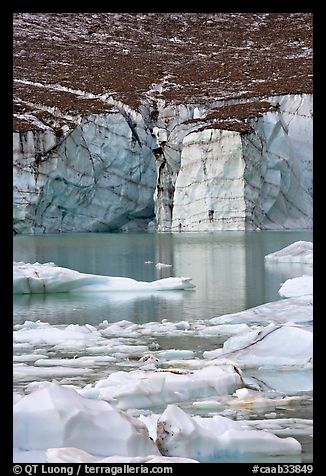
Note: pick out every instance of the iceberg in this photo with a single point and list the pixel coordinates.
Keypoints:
(56, 417)
(271, 346)
(217, 439)
(143, 389)
(296, 309)
(48, 278)
(300, 286)
(298, 252)
(75, 455)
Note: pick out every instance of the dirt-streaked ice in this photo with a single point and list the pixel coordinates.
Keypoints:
(217, 438)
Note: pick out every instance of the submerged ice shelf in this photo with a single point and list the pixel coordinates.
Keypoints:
(48, 278)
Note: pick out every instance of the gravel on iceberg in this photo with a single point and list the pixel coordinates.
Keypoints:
(217, 438)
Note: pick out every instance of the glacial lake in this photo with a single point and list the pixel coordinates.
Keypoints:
(227, 269)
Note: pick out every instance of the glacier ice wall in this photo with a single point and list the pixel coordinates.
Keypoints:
(262, 178)
(123, 169)
(100, 177)
(31, 167)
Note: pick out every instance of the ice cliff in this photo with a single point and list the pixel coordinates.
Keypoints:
(167, 132)
(98, 178)
(113, 170)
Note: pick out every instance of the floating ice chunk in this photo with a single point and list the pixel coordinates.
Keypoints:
(282, 426)
(22, 372)
(77, 362)
(253, 399)
(33, 456)
(297, 287)
(141, 389)
(175, 354)
(182, 325)
(75, 455)
(208, 405)
(298, 252)
(272, 346)
(47, 278)
(16, 397)
(122, 328)
(44, 333)
(149, 360)
(298, 309)
(163, 265)
(212, 354)
(55, 417)
(28, 357)
(216, 439)
(151, 423)
(225, 329)
(291, 382)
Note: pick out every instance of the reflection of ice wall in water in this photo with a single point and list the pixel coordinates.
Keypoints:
(93, 309)
(218, 266)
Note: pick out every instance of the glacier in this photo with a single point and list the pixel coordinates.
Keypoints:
(230, 180)
(185, 171)
(48, 278)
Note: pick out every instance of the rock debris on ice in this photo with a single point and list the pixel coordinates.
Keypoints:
(216, 439)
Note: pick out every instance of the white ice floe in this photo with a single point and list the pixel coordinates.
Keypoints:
(142, 389)
(16, 397)
(225, 329)
(252, 399)
(171, 354)
(298, 252)
(32, 456)
(57, 417)
(48, 278)
(290, 382)
(75, 362)
(28, 357)
(39, 333)
(282, 426)
(301, 286)
(216, 439)
(163, 265)
(23, 373)
(297, 309)
(272, 346)
(75, 455)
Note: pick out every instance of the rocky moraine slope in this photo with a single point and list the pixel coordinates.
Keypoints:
(162, 121)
